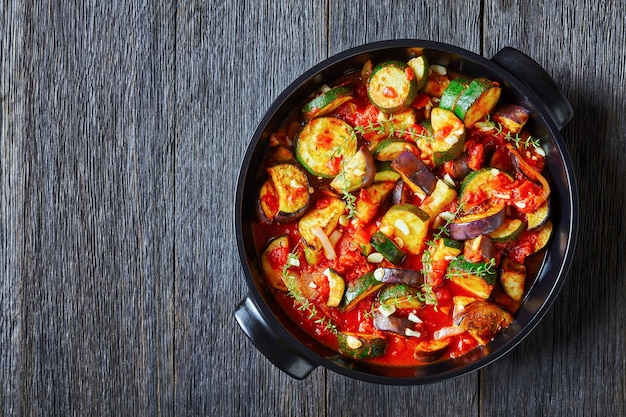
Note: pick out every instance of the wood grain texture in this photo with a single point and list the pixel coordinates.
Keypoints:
(122, 129)
(95, 328)
(223, 88)
(12, 174)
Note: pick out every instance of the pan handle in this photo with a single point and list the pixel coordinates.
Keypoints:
(530, 73)
(269, 343)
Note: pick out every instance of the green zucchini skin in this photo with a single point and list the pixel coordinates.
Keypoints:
(400, 296)
(539, 217)
(403, 218)
(478, 99)
(510, 230)
(359, 289)
(327, 102)
(358, 172)
(392, 87)
(452, 92)
(389, 149)
(484, 181)
(292, 190)
(449, 135)
(467, 275)
(361, 346)
(387, 247)
(420, 66)
(323, 144)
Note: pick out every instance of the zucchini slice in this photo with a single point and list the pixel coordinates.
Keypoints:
(480, 97)
(273, 259)
(479, 186)
(510, 230)
(539, 217)
(337, 287)
(400, 296)
(328, 102)
(513, 278)
(387, 247)
(452, 92)
(475, 277)
(359, 289)
(409, 223)
(449, 135)
(420, 65)
(446, 249)
(292, 190)
(389, 149)
(325, 216)
(323, 144)
(392, 87)
(543, 235)
(361, 345)
(267, 206)
(441, 197)
(357, 173)
(384, 172)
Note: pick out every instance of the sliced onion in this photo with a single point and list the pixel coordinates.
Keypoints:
(329, 250)
(335, 236)
(447, 332)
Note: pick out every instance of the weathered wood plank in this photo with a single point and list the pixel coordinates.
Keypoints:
(95, 322)
(234, 59)
(573, 363)
(12, 174)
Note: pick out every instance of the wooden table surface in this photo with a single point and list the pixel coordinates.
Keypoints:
(122, 129)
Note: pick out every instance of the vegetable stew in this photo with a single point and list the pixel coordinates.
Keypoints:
(396, 212)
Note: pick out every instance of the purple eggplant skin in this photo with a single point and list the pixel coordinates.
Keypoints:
(392, 324)
(473, 225)
(414, 171)
(460, 167)
(431, 350)
(284, 217)
(479, 249)
(400, 276)
(511, 116)
(483, 319)
(401, 193)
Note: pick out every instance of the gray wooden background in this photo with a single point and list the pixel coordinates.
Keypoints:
(122, 128)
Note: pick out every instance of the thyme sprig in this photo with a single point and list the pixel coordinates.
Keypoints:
(303, 303)
(347, 197)
(391, 129)
(482, 269)
(519, 142)
(441, 231)
(427, 255)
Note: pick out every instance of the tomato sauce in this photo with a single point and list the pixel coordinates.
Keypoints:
(433, 323)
